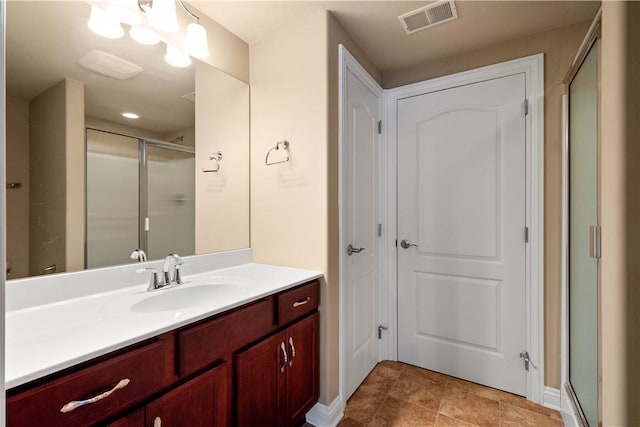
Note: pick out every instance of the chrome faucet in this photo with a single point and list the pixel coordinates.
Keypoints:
(138, 254)
(167, 278)
(170, 279)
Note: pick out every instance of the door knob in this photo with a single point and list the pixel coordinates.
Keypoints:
(406, 244)
(351, 250)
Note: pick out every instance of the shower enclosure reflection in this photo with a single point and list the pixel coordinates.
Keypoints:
(153, 207)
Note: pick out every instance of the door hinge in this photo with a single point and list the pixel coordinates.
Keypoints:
(380, 329)
(525, 105)
(379, 127)
(379, 230)
(527, 360)
(526, 234)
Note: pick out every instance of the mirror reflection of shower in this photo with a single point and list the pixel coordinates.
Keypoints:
(140, 195)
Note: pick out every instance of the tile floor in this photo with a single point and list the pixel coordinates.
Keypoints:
(397, 394)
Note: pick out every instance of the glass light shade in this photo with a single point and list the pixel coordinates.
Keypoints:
(126, 11)
(144, 35)
(176, 57)
(103, 24)
(197, 41)
(163, 16)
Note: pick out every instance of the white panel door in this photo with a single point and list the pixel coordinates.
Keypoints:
(360, 222)
(461, 202)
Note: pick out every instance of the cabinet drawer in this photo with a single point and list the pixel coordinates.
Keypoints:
(203, 344)
(41, 406)
(298, 302)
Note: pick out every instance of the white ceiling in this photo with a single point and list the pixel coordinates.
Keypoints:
(375, 26)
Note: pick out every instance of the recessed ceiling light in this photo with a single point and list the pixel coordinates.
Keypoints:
(130, 115)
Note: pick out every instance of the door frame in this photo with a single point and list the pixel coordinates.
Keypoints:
(533, 68)
(347, 62)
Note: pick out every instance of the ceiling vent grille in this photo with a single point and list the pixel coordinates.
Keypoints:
(429, 16)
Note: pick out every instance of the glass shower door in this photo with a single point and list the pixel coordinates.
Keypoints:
(112, 198)
(170, 201)
(583, 219)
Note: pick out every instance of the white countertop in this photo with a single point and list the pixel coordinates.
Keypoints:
(46, 338)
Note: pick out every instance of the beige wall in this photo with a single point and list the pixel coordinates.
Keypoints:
(222, 198)
(620, 214)
(56, 176)
(74, 175)
(17, 170)
(289, 201)
(559, 47)
(47, 180)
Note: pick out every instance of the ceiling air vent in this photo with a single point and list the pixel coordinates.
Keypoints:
(428, 16)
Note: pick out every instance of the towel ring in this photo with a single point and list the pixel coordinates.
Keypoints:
(217, 157)
(284, 145)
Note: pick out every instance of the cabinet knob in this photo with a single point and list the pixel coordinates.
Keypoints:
(157, 422)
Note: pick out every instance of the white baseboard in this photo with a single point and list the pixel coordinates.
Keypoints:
(551, 399)
(326, 416)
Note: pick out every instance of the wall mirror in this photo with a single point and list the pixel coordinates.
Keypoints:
(87, 185)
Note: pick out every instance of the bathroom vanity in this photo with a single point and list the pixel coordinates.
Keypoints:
(248, 356)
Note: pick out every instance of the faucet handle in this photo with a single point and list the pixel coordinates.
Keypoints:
(178, 278)
(154, 283)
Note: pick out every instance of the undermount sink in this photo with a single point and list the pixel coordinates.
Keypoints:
(182, 297)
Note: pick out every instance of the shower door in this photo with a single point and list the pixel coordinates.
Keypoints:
(140, 194)
(584, 239)
(113, 173)
(170, 201)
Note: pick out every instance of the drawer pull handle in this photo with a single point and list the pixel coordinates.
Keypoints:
(303, 302)
(75, 404)
(293, 351)
(284, 357)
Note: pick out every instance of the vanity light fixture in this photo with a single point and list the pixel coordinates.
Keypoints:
(161, 14)
(176, 57)
(144, 35)
(104, 24)
(126, 11)
(130, 115)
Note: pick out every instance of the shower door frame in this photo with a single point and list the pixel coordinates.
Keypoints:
(569, 403)
(143, 183)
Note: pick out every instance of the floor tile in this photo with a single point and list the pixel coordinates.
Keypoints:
(470, 407)
(422, 391)
(522, 402)
(398, 413)
(480, 390)
(364, 403)
(349, 422)
(420, 372)
(513, 416)
(444, 421)
(398, 394)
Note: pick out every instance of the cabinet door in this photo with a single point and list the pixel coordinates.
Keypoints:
(302, 368)
(260, 375)
(201, 402)
(135, 419)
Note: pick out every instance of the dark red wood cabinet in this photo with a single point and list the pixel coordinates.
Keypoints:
(277, 379)
(256, 365)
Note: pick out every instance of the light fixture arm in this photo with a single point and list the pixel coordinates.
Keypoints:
(193, 15)
(146, 5)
